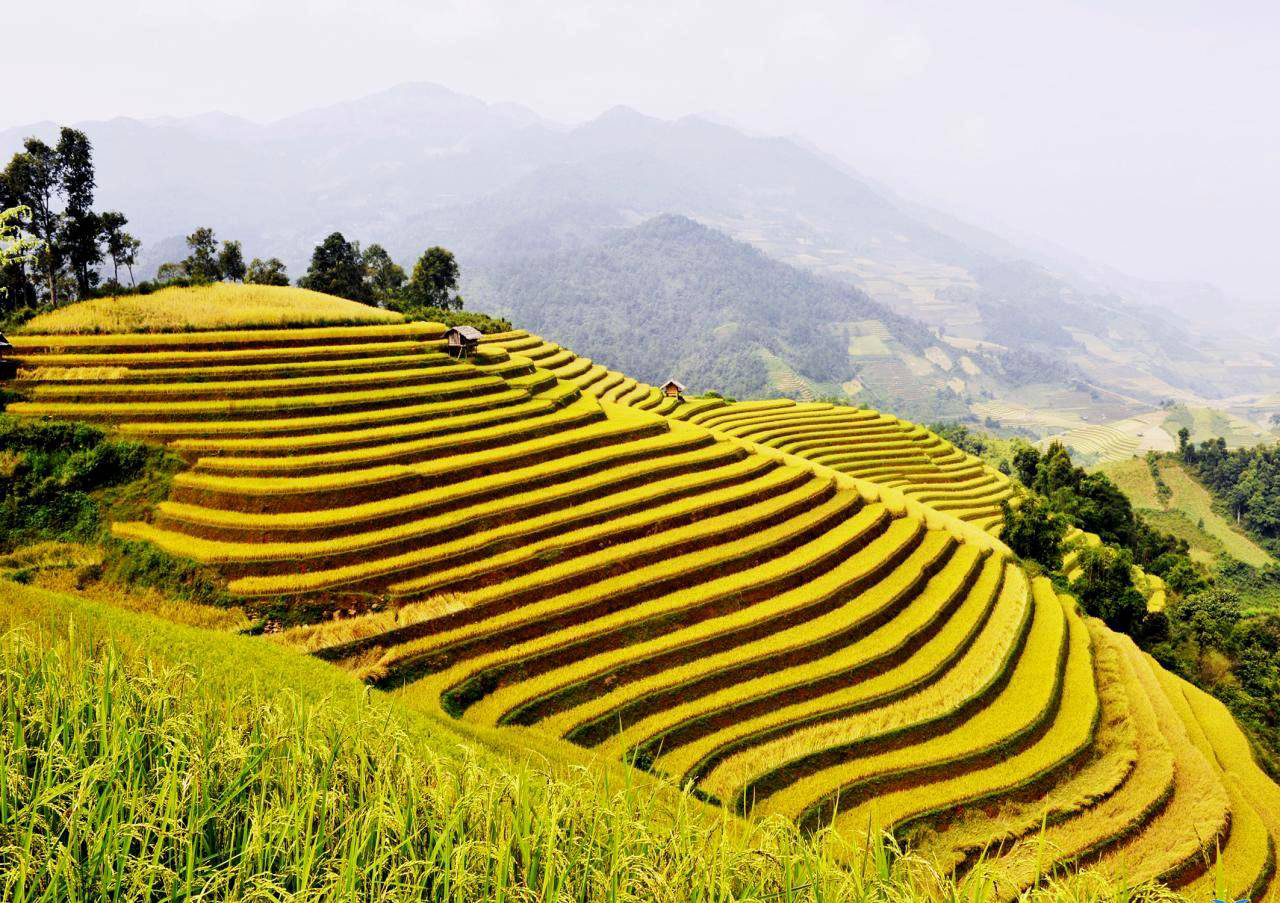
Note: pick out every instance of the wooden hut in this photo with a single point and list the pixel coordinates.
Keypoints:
(462, 340)
(7, 367)
(673, 389)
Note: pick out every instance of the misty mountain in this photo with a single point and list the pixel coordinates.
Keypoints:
(671, 297)
(419, 165)
(674, 298)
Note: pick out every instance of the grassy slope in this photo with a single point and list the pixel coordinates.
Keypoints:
(228, 661)
(1193, 499)
(1188, 514)
(1208, 423)
(302, 784)
(248, 673)
(217, 306)
(1135, 480)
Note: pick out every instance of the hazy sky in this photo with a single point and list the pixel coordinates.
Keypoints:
(1141, 133)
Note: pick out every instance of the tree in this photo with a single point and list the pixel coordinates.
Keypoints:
(1185, 448)
(129, 247)
(1055, 471)
(202, 264)
(1209, 618)
(57, 185)
(80, 231)
(170, 272)
(1105, 588)
(337, 269)
(1026, 462)
(32, 180)
(1034, 531)
(122, 247)
(385, 277)
(17, 246)
(435, 281)
(231, 261)
(1097, 505)
(266, 272)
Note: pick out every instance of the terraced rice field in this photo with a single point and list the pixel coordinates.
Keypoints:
(860, 443)
(788, 383)
(1099, 444)
(790, 608)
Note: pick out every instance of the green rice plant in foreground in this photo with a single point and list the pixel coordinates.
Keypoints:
(125, 776)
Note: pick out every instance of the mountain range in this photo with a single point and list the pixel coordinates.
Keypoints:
(517, 197)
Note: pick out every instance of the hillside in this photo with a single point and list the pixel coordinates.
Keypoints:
(671, 297)
(420, 165)
(795, 609)
(301, 768)
(1187, 510)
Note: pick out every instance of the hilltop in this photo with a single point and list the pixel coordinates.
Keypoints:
(210, 307)
(792, 609)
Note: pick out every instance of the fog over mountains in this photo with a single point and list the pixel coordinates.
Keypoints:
(419, 165)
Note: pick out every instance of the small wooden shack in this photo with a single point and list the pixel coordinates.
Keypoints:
(462, 340)
(673, 389)
(7, 367)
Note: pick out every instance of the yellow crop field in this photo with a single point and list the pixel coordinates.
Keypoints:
(869, 521)
(449, 562)
(773, 650)
(828, 720)
(1196, 818)
(1109, 763)
(981, 630)
(799, 789)
(1045, 846)
(789, 607)
(1245, 861)
(207, 307)
(1070, 734)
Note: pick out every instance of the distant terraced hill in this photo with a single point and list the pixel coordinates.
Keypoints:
(1098, 444)
(792, 608)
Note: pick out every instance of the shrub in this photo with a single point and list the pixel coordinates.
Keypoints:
(143, 564)
(53, 474)
(483, 322)
(1034, 531)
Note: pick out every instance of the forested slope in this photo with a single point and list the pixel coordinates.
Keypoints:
(674, 297)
